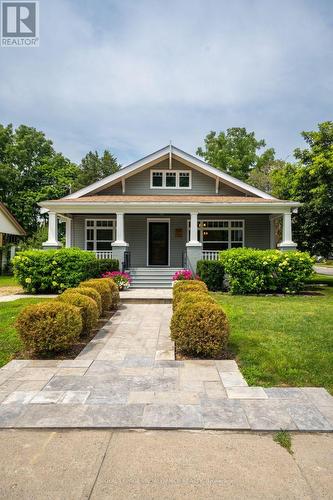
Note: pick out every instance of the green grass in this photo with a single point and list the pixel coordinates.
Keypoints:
(283, 438)
(322, 279)
(8, 281)
(286, 340)
(9, 340)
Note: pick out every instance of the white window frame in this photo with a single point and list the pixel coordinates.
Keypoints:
(177, 172)
(229, 229)
(94, 228)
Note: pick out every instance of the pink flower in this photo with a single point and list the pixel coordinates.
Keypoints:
(183, 274)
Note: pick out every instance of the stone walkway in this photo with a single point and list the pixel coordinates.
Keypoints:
(127, 377)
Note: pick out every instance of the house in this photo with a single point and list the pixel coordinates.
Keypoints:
(165, 212)
(10, 231)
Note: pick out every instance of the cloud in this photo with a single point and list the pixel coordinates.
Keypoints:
(130, 76)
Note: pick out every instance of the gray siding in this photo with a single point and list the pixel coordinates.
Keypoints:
(202, 184)
(257, 233)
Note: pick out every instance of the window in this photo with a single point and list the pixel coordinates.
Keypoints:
(170, 179)
(220, 234)
(100, 233)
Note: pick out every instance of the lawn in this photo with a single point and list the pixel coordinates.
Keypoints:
(286, 340)
(8, 281)
(9, 340)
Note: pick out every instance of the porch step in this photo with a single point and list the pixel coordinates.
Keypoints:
(152, 277)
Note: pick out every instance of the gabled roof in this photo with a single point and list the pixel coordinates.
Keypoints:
(176, 153)
(8, 223)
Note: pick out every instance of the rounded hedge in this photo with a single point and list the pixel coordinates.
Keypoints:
(192, 297)
(179, 290)
(49, 327)
(88, 309)
(200, 329)
(102, 288)
(89, 292)
(115, 297)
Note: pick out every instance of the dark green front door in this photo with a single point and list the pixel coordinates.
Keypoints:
(158, 254)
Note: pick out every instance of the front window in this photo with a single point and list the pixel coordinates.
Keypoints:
(174, 179)
(100, 233)
(220, 234)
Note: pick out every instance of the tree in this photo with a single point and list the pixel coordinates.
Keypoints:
(263, 177)
(94, 168)
(310, 181)
(31, 171)
(235, 152)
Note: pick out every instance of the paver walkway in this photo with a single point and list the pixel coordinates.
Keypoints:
(127, 377)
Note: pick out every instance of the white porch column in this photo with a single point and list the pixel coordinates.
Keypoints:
(52, 241)
(193, 247)
(120, 246)
(287, 242)
(68, 233)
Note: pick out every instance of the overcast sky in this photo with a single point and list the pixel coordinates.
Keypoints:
(131, 75)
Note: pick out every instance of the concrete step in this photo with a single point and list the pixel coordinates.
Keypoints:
(152, 277)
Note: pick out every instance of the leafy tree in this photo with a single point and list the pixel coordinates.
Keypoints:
(262, 177)
(310, 181)
(31, 171)
(94, 168)
(235, 152)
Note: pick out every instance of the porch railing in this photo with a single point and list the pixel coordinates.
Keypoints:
(103, 254)
(210, 254)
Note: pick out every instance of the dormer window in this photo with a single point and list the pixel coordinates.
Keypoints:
(174, 179)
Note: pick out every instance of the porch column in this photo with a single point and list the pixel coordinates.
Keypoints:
(68, 223)
(52, 242)
(287, 242)
(193, 247)
(119, 246)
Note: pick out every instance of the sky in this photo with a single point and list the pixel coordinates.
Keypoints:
(131, 75)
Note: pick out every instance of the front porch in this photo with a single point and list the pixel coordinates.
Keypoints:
(168, 240)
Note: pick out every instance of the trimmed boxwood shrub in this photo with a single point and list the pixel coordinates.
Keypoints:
(92, 293)
(87, 306)
(212, 273)
(192, 297)
(115, 297)
(182, 287)
(49, 327)
(102, 288)
(266, 271)
(200, 329)
(52, 271)
(107, 265)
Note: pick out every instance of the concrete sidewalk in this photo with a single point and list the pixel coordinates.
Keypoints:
(66, 465)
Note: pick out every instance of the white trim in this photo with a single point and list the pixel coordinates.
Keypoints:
(158, 219)
(157, 156)
(94, 228)
(229, 229)
(164, 175)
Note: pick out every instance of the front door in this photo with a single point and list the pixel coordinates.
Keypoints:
(158, 243)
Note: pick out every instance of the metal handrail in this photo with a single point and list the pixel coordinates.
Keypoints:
(127, 261)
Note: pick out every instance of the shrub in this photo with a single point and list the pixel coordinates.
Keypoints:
(52, 271)
(191, 297)
(92, 293)
(122, 280)
(87, 306)
(107, 265)
(102, 288)
(200, 329)
(260, 271)
(115, 297)
(212, 273)
(49, 327)
(182, 287)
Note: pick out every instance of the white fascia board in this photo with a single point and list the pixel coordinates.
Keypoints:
(168, 207)
(121, 173)
(153, 157)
